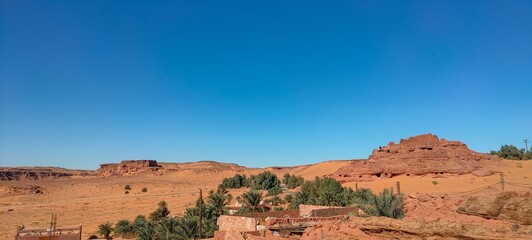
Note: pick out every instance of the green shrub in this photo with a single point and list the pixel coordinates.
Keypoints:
(274, 191)
(161, 212)
(265, 181)
(292, 181)
(276, 201)
(105, 229)
(251, 201)
(127, 187)
(288, 198)
(123, 228)
(144, 189)
(385, 204)
(238, 181)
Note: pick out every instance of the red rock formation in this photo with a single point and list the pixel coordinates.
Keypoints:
(127, 167)
(389, 228)
(38, 173)
(420, 155)
(510, 206)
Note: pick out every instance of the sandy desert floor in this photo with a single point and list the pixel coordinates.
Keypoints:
(94, 200)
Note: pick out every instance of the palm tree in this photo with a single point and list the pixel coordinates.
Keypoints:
(123, 228)
(146, 232)
(252, 200)
(218, 201)
(386, 204)
(169, 229)
(105, 229)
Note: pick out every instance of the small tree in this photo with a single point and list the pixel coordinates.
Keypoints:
(386, 205)
(161, 212)
(252, 200)
(127, 187)
(146, 232)
(105, 229)
(123, 228)
(139, 222)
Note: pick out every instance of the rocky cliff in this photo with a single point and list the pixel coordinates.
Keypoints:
(420, 155)
(128, 167)
(38, 173)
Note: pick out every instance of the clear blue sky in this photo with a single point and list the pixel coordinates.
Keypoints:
(257, 83)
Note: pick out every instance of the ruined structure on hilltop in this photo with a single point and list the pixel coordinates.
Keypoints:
(126, 167)
(420, 155)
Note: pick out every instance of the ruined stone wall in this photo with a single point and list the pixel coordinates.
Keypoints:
(329, 212)
(236, 223)
(284, 221)
(320, 211)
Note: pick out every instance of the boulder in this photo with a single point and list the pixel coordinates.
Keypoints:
(509, 206)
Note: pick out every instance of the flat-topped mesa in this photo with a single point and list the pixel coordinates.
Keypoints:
(420, 155)
(127, 167)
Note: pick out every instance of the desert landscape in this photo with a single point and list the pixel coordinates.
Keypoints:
(436, 177)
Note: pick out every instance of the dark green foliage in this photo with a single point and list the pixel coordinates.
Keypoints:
(161, 226)
(146, 232)
(161, 212)
(385, 204)
(144, 189)
(513, 153)
(288, 198)
(127, 187)
(300, 198)
(322, 191)
(139, 222)
(274, 191)
(218, 200)
(123, 228)
(251, 201)
(238, 181)
(169, 229)
(276, 201)
(292, 181)
(265, 181)
(105, 229)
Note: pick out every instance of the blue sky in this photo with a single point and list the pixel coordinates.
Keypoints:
(258, 83)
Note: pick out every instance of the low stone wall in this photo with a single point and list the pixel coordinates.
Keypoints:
(323, 211)
(329, 212)
(236, 223)
(283, 221)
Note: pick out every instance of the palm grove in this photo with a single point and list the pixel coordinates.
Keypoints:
(159, 225)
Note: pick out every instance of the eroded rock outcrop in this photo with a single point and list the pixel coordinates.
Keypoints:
(388, 228)
(38, 173)
(510, 206)
(420, 155)
(128, 167)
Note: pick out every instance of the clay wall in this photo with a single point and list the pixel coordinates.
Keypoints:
(236, 223)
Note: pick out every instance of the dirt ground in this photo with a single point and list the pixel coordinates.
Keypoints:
(93, 200)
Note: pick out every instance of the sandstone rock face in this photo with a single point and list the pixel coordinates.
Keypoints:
(38, 173)
(128, 167)
(420, 155)
(388, 228)
(508, 206)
